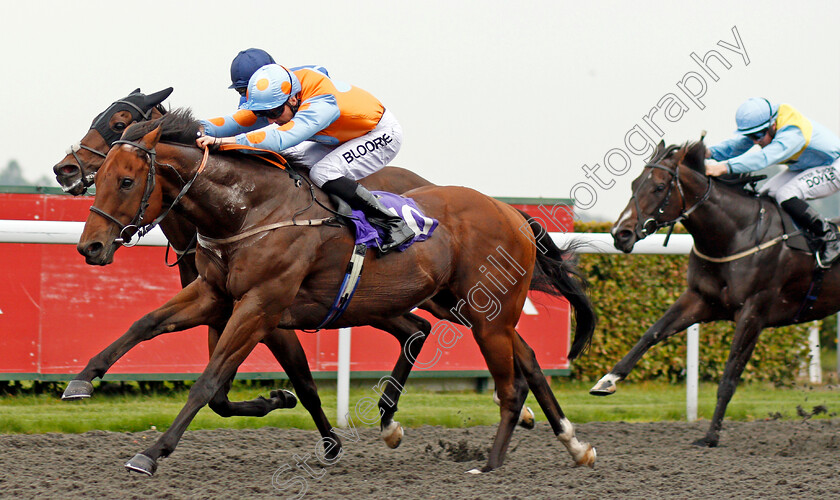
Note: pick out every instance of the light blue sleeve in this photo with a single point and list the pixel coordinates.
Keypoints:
(230, 127)
(730, 148)
(785, 144)
(318, 113)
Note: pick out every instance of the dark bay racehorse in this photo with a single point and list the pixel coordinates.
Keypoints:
(554, 274)
(287, 276)
(729, 277)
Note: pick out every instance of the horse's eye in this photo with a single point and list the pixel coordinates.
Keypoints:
(659, 188)
(119, 126)
(126, 183)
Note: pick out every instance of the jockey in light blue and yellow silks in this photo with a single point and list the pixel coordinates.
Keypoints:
(810, 151)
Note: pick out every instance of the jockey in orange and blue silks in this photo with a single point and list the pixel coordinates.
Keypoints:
(343, 132)
(810, 151)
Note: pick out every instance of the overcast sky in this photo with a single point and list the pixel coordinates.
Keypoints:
(510, 98)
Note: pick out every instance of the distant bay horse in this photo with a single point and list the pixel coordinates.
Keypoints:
(251, 282)
(739, 269)
(554, 273)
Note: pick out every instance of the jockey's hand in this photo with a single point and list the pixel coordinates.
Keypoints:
(213, 142)
(715, 169)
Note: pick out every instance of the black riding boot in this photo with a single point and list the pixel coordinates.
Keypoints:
(396, 232)
(808, 219)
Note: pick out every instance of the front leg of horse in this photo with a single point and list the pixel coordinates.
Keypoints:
(285, 346)
(689, 308)
(259, 407)
(243, 332)
(195, 305)
(747, 329)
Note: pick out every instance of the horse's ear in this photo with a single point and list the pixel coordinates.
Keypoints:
(153, 100)
(695, 157)
(150, 140)
(135, 91)
(657, 152)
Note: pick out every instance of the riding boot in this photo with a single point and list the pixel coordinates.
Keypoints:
(396, 232)
(808, 219)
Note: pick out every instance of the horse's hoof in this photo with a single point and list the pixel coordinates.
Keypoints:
(474, 471)
(705, 443)
(287, 398)
(605, 386)
(527, 420)
(392, 434)
(77, 389)
(588, 458)
(141, 463)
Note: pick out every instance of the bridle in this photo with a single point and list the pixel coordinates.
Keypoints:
(100, 124)
(134, 226)
(651, 224)
(87, 180)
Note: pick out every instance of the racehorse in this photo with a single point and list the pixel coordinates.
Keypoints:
(737, 270)
(554, 274)
(75, 173)
(249, 282)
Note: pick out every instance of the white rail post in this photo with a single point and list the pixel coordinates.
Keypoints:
(814, 363)
(691, 367)
(343, 382)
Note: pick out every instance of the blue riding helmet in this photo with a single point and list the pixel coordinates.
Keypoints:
(756, 113)
(245, 64)
(270, 87)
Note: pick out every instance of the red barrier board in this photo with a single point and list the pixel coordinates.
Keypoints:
(56, 312)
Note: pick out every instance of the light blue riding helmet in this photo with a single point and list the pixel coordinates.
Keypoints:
(270, 87)
(756, 113)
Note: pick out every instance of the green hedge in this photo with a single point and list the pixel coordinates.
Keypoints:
(631, 292)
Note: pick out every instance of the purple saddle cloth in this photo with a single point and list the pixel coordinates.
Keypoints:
(423, 226)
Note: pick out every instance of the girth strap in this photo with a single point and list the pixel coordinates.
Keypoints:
(348, 286)
(813, 292)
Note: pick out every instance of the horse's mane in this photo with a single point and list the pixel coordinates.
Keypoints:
(693, 156)
(690, 154)
(181, 127)
(178, 126)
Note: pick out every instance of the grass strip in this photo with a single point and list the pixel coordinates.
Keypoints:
(634, 402)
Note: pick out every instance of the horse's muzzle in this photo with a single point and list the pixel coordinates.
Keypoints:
(96, 253)
(69, 177)
(624, 240)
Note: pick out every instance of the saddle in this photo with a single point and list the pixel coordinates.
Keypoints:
(800, 241)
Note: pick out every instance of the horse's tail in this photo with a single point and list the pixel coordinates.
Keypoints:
(556, 273)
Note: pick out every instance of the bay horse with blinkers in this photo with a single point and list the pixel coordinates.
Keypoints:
(250, 284)
(554, 274)
(739, 268)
